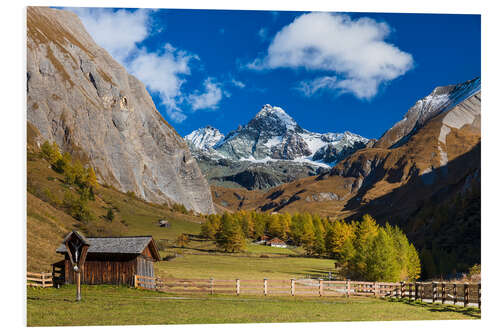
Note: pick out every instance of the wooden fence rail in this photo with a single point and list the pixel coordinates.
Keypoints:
(445, 293)
(42, 280)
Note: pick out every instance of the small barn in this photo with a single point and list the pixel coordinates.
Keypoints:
(111, 260)
(164, 223)
(276, 242)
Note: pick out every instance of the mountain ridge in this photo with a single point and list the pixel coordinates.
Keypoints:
(271, 149)
(273, 135)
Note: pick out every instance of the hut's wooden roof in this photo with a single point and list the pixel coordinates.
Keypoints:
(111, 245)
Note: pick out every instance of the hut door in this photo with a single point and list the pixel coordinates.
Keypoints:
(145, 268)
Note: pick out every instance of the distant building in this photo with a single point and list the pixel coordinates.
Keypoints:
(276, 242)
(164, 223)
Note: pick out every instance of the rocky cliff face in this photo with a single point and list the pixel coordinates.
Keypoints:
(80, 97)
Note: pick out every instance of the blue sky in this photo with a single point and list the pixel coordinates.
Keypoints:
(330, 71)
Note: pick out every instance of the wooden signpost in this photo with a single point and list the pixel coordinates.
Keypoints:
(77, 247)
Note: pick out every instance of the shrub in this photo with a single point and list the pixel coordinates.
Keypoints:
(110, 215)
(77, 207)
(180, 208)
(182, 240)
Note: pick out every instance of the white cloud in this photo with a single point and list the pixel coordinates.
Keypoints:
(237, 83)
(163, 71)
(311, 87)
(209, 99)
(116, 31)
(354, 52)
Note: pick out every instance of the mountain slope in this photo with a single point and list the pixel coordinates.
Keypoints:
(80, 97)
(428, 184)
(390, 182)
(442, 99)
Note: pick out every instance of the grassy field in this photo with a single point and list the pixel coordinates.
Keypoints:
(232, 267)
(108, 305)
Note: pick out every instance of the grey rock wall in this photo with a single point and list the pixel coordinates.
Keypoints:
(80, 97)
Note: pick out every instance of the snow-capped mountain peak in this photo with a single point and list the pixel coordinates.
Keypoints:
(204, 138)
(273, 135)
(278, 114)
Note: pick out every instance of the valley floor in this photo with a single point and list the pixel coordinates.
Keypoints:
(109, 305)
(235, 266)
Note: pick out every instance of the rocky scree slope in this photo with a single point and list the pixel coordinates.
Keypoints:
(271, 149)
(80, 97)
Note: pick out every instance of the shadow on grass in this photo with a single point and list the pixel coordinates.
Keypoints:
(468, 311)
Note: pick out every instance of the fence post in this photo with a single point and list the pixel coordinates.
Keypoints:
(320, 287)
(479, 296)
(443, 293)
(265, 287)
(238, 287)
(402, 289)
(454, 294)
(434, 292)
(135, 281)
(348, 288)
(410, 296)
(466, 294)
(377, 289)
(417, 287)
(292, 286)
(43, 279)
(211, 286)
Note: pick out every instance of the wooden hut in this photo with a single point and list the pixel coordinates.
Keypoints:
(111, 260)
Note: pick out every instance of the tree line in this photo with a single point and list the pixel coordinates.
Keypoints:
(362, 249)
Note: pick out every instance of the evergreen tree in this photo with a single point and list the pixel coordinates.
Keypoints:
(381, 262)
(91, 178)
(308, 234)
(230, 238)
(274, 227)
(210, 227)
(110, 215)
(51, 152)
(182, 240)
(247, 224)
(319, 243)
(413, 264)
(365, 234)
(336, 235)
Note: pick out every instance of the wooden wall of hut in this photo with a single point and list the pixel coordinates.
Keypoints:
(105, 269)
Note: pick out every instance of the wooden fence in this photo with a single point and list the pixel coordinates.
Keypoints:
(42, 280)
(449, 293)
